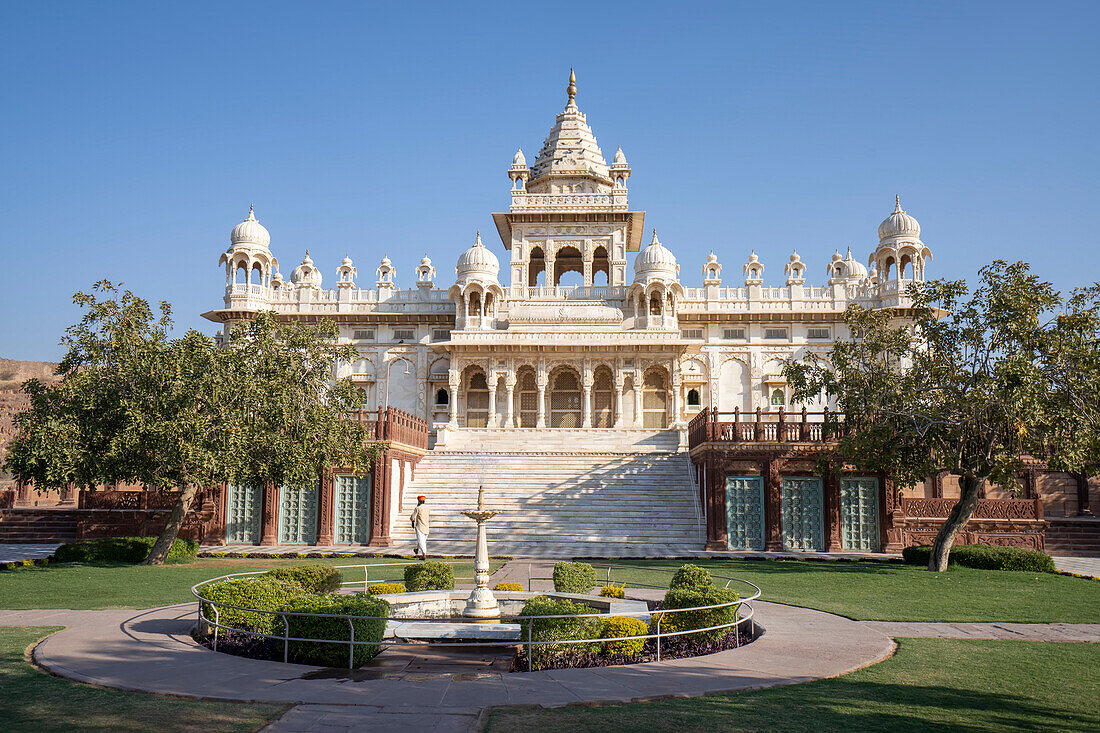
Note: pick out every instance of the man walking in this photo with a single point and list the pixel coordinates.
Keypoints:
(419, 521)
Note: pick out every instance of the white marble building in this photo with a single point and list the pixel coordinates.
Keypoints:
(627, 348)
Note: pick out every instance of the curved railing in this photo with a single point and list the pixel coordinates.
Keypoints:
(529, 643)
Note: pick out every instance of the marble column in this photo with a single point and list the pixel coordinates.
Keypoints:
(540, 419)
(452, 384)
(620, 382)
(509, 404)
(493, 381)
(636, 387)
(586, 395)
(677, 407)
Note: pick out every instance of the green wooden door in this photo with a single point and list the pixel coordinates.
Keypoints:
(352, 521)
(859, 514)
(803, 516)
(745, 512)
(297, 516)
(243, 510)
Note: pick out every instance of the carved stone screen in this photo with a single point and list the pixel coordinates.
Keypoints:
(242, 525)
(745, 512)
(803, 516)
(603, 399)
(859, 514)
(352, 518)
(477, 402)
(565, 401)
(528, 399)
(297, 516)
(654, 400)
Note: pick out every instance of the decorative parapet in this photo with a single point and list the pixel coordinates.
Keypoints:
(987, 508)
(522, 201)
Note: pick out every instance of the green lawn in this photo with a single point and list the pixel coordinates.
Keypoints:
(929, 685)
(78, 586)
(35, 701)
(883, 591)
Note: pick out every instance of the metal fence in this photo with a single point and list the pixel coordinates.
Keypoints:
(529, 643)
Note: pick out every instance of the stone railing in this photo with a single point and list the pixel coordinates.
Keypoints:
(524, 201)
(987, 508)
(396, 426)
(765, 427)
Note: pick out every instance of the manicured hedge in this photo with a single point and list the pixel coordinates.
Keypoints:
(122, 549)
(574, 577)
(555, 629)
(693, 597)
(508, 586)
(430, 575)
(985, 557)
(618, 626)
(382, 589)
(261, 593)
(335, 655)
(313, 578)
(613, 591)
(691, 576)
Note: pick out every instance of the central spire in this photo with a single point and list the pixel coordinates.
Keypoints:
(571, 90)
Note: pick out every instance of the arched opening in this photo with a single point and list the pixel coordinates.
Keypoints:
(655, 399)
(655, 305)
(240, 274)
(519, 184)
(565, 399)
(257, 277)
(401, 385)
(601, 264)
(889, 268)
(490, 304)
(905, 269)
(777, 397)
(568, 259)
(477, 400)
(603, 398)
(442, 399)
(693, 398)
(475, 304)
(536, 267)
(528, 397)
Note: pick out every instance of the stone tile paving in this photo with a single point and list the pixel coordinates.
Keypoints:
(10, 552)
(1010, 631)
(1080, 565)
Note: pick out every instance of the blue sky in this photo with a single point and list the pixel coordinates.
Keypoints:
(135, 135)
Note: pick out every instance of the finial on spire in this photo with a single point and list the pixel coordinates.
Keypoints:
(897, 203)
(571, 90)
(477, 239)
(307, 253)
(250, 214)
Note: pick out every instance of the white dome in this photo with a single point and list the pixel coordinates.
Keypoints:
(712, 258)
(898, 224)
(619, 159)
(855, 270)
(306, 275)
(250, 231)
(518, 161)
(346, 261)
(655, 261)
(426, 261)
(477, 262)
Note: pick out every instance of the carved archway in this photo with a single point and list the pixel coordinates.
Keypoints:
(655, 399)
(565, 399)
(603, 398)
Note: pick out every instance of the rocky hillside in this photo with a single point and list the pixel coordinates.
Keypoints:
(13, 373)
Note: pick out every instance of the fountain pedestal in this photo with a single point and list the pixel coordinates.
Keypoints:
(482, 604)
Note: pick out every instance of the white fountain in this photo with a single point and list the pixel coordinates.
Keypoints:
(482, 604)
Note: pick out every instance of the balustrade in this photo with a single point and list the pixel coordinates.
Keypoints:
(765, 427)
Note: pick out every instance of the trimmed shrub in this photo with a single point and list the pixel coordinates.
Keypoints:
(985, 557)
(335, 629)
(613, 591)
(430, 575)
(260, 593)
(557, 629)
(617, 626)
(692, 597)
(122, 549)
(574, 577)
(382, 589)
(319, 579)
(508, 586)
(691, 576)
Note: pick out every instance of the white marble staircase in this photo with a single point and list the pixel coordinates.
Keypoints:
(617, 493)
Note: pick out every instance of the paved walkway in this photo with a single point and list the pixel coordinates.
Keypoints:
(12, 552)
(1080, 565)
(1015, 632)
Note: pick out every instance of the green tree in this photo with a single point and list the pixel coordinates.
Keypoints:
(964, 382)
(135, 406)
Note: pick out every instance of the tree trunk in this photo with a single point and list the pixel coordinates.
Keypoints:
(969, 487)
(172, 529)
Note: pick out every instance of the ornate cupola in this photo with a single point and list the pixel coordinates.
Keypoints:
(306, 275)
(900, 254)
(386, 273)
(477, 263)
(346, 273)
(477, 293)
(425, 273)
(795, 270)
(712, 270)
(656, 262)
(620, 170)
(753, 270)
(519, 172)
(248, 262)
(656, 290)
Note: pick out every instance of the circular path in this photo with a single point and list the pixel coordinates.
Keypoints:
(152, 651)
